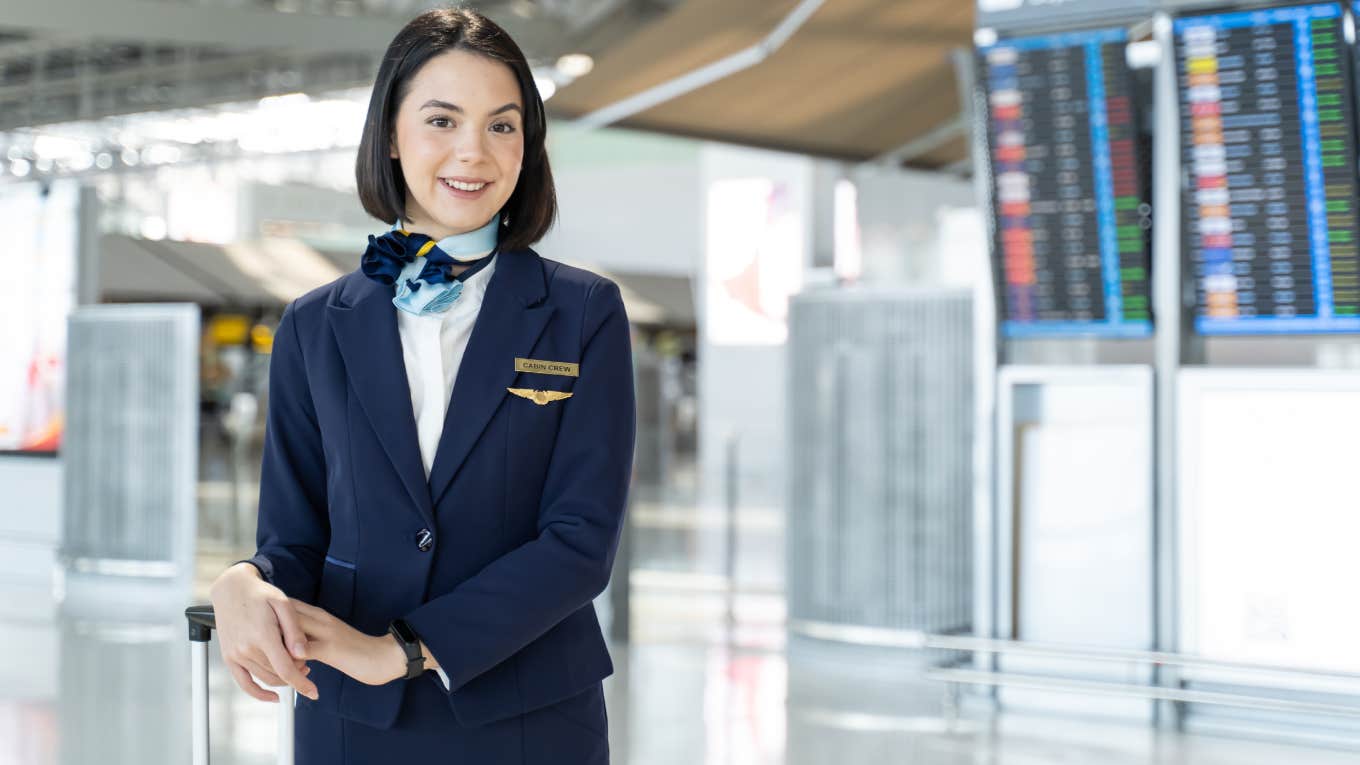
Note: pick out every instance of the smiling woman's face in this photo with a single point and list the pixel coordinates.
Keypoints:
(461, 122)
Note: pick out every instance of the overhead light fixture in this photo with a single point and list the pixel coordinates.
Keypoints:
(286, 98)
(546, 87)
(575, 65)
(153, 227)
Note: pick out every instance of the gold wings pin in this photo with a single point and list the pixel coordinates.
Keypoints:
(540, 397)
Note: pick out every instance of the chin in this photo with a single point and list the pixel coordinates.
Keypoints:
(464, 221)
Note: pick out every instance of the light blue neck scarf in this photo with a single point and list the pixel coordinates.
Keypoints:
(422, 297)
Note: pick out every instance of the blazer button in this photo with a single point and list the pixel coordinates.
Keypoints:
(424, 540)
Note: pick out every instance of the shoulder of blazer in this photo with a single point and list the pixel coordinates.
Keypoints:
(309, 309)
(570, 284)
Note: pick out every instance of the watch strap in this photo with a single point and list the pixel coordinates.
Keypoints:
(405, 637)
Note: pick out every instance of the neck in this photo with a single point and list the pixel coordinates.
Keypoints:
(435, 231)
(469, 245)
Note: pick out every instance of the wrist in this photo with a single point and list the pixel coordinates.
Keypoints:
(411, 647)
(233, 578)
(394, 657)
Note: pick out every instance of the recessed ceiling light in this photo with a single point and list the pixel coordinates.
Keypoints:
(575, 64)
(546, 87)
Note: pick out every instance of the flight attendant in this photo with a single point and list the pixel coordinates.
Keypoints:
(447, 448)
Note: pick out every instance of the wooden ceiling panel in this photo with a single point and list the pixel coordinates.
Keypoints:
(696, 33)
(859, 78)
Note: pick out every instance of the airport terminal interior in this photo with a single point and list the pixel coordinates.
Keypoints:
(996, 365)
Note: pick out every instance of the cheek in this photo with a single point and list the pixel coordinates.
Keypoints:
(510, 161)
(420, 154)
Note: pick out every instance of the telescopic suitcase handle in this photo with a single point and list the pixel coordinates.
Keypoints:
(202, 622)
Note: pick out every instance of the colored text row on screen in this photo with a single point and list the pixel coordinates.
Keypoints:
(1267, 125)
(1070, 249)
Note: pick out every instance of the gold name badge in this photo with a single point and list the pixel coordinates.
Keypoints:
(547, 367)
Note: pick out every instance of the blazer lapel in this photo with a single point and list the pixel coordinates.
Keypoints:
(365, 326)
(508, 324)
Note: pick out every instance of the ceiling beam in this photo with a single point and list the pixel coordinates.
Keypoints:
(705, 75)
(925, 143)
(242, 28)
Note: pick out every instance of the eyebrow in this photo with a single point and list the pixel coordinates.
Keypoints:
(437, 104)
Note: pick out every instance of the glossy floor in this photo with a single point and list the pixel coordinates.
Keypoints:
(94, 675)
(109, 683)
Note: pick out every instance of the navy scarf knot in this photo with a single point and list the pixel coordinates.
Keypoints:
(388, 255)
(395, 258)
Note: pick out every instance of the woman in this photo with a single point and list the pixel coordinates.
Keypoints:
(448, 445)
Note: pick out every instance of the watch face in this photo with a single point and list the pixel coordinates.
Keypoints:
(404, 631)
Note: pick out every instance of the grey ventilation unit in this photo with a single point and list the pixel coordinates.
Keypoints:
(880, 457)
(130, 451)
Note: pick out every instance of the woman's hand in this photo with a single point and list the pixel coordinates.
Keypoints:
(370, 659)
(253, 624)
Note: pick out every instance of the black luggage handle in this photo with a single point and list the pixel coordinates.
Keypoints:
(202, 622)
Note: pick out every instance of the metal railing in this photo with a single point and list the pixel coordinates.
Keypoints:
(954, 677)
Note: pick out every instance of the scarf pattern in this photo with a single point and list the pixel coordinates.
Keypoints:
(421, 269)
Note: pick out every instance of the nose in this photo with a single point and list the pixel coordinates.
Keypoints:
(469, 145)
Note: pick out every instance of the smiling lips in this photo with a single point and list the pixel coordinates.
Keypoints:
(464, 185)
(464, 189)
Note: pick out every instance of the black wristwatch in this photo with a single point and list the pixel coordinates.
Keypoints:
(415, 660)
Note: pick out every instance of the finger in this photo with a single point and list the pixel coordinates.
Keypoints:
(309, 612)
(290, 624)
(261, 669)
(248, 685)
(258, 655)
(262, 673)
(284, 668)
(303, 606)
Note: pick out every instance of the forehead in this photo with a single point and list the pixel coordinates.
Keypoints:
(474, 82)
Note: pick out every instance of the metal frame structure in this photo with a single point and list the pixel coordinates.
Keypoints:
(69, 60)
(952, 678)
(1175, 346)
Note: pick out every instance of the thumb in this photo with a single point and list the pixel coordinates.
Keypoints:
(293, 636)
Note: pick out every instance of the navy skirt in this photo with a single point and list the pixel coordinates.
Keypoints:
(574, 731)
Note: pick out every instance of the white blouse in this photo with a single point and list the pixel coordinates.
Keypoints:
(432, 348)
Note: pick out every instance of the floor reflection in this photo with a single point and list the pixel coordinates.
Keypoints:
(78, 689)
(108, 681)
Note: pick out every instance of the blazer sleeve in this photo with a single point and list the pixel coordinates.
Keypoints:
(293, 530)
(525, 592)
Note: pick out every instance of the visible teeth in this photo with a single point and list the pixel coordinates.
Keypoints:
(464, 186)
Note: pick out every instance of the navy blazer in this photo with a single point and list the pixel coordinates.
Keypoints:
(495, 560)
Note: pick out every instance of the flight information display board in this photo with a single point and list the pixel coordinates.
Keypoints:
(1268, 140)
(1071, 247)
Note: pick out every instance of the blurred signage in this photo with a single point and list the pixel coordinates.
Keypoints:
(38, 260)
(754, 260)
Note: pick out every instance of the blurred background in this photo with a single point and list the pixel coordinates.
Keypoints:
(997, 366)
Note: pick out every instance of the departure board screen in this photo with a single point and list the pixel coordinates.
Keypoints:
(1071, 246)
(1268, 142)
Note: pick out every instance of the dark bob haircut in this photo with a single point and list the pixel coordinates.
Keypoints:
(532, 207)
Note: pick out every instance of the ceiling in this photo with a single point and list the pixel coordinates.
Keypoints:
(66, 60)
(856, 80)
(859, 79)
